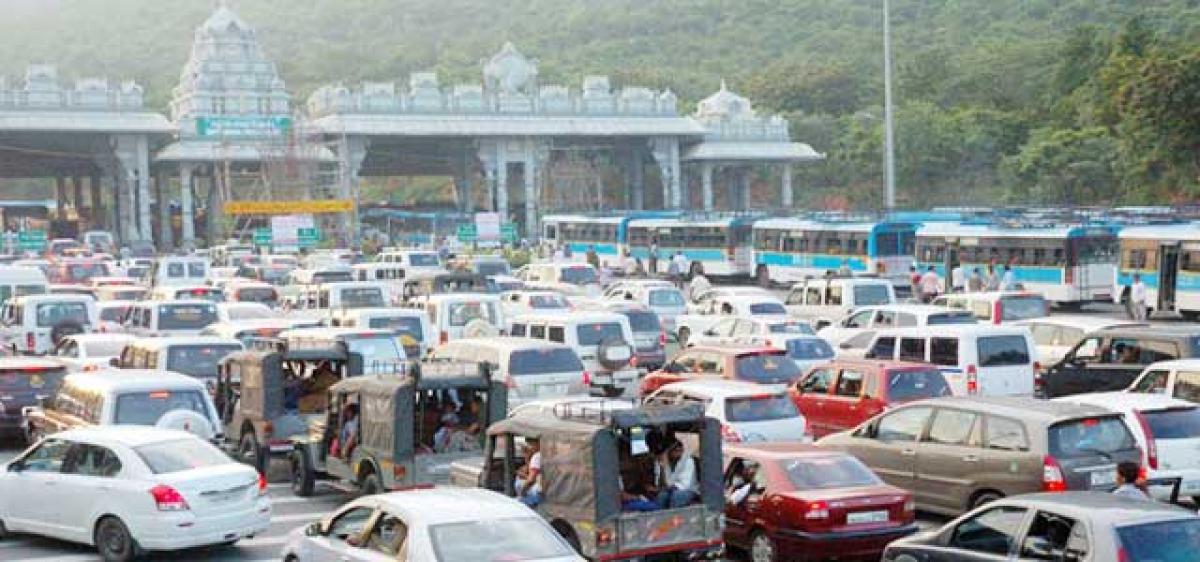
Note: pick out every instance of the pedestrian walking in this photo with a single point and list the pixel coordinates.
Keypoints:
(975, 281)
(930, 285)
(993, 280)
(653, 261)
(1137, 299)
(845, 270)
(673, 271)
(914, 282)
(593, 259)
(1010, 279)
(957, 283)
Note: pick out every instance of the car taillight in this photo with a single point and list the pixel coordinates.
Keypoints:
(1151, 446)
(168, 498)
(997, 312)
(1052, 476)
(972, 380)
(262, 484)
(587, 378)
(31, 340)
(729, 434)
(268, 428)
(444, 337)
(662, 339)
(816, 510)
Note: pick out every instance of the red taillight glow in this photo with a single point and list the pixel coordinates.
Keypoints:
(997, 312)
(444, 337)
(730, 435)
(816, 510)
(31, 341)
(1052, 475)
(1151, 446)
(587, 378)
(972, 380)
(662, 339)
(262, 484)
(168, 498)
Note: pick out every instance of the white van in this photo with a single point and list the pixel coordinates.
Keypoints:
(413, 261)
(170, 318)
(602, 340)
(462, 315)
(975, 359)
(34, 324)
(531, 369)
(825, 301)
(18, 281)
(998, 307)
(178, 270)
(413, 327)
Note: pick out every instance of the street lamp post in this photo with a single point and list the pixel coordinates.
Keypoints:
(889, 133)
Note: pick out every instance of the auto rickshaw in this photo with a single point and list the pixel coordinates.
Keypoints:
(594, 457)
(265, 397)
(387, 432)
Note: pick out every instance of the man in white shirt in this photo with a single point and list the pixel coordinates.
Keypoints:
(957, 281)
(931, 285)
(1137, 298)
(742, 484)
(1010, 278)
(529, 484)
(678, 471)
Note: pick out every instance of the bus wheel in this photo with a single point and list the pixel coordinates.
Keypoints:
(764, 277)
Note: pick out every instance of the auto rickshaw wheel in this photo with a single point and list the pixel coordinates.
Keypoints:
(303, 479)
(371, 484)
(248, 449)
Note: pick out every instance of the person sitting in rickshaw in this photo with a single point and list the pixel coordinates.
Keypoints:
(529, 477)
(631, 498)
(677, 472)
(348, 435)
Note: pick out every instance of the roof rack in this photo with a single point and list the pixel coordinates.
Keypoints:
(593, 411)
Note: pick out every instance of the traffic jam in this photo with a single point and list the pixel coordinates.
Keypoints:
(657, 387)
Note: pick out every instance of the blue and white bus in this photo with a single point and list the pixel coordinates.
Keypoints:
(1069, 265)
(788, 250)
(606, 233)
(713, 243)
(1168, 259)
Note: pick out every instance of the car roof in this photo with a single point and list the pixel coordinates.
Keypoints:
(925, 309)
(1162, 331)
(574, 317)
(439, 297)
(159, 342)
(507, 343)
(381, 311)
(1175, 364)
(1100, 508)
(1084, 322)
(128, 435)
(53, 297)
(1121, 401)
(7, 363)
(438, 505)
(982, 329)
(135, 379)
(713, 387)
(1025, 408)
(736, 349)
(101, 337)
(884, 364)
(175, 302)
(779, 450)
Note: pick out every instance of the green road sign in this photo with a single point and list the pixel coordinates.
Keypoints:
(262, 237)
(508, 232)
(308, 237)
(467, 233)
(31, 240)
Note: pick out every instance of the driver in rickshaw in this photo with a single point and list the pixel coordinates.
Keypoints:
(348, 433)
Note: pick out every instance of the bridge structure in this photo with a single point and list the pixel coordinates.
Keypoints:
(509, 143)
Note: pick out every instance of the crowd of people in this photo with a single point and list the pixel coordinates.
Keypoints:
(928, 285)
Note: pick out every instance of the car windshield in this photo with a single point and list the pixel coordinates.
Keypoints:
(497, 540)
(867, 295)
(791, 327)
(114, 313)
(763, 407)
(462, 313)
(1001, 351)
(1175, 423)
(592, 333)
(25, 290)
(492, 267)
(423, 260)
(265, 295)
(381, 354)
(944, 318)
(580, 275)
(43, 380)
(643, 321)
(767, 368)
(1089, 437)
(767, 308)
(1176, 540)
(1022, 308)
(186, 316)
(331, 277)
(826, 472)
(666, 297)
(81, 272)
(198, 360)
(409, 325)
(362, 297)
(542, 361)
(145, 408)
(905, 386)
(548, 301)
(104, 348)
(53, 314)
(808, 349)
(181, 454)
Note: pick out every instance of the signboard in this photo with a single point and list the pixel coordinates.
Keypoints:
(308, 237)
(487, 226)
(285, 229)
(31, 240)
(508, 232)
(467, 233)
(262, 237)
(288, 207)
(242, 127)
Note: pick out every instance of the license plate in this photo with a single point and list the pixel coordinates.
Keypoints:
(866, 517)
(1104, 478)
(225, 497)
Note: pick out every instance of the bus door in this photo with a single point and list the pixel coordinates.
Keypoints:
(951, 262)
(1168, 273)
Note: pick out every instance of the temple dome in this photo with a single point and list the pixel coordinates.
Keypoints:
(224, 19)
(724, 104)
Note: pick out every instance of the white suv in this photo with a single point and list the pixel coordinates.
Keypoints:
(602, 340)
(748, 412)
(34, 324)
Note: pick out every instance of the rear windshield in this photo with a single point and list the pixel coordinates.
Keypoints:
(767, 308)
(380, 354)
(53, 314)
(198, 360)
(249, 313)
(423, 260)
(409, 325)
(842, 471)
(542, 361)
(767, 369)
(807, 349)
(331, 277)
(548, 302)
(113, 313)
(186, 316)
(905, 386)
(180, 455)
(767, 407)
(1022, 307)
(643, 321)
(595, 332)
(1089, 437)
(951, 318)
(865, 295)
(578, 275)
(1177, 540)
(492, 268)
(264, 295)
(80, 272)
(1176, 423)
(791, 328)
(24, 290)
(1000, 351)
(100, 348)
(128, 294)
(145, 408)
(666, 297)
(42, 380)
(362, 297)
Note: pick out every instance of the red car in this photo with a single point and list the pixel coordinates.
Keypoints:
(74, 271)
(842, 394)
(809, 503)
(754, 363)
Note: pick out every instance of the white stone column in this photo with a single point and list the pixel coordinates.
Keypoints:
(639, 179)
(187, 208)
(706, 180)
(786, 187)
(532, 193)
(666, 153)
(502, 181)
(163, 196)
(142, 162)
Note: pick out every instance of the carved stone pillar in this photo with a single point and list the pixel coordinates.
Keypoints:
(187, 210)
(706, 179)
(786, 187)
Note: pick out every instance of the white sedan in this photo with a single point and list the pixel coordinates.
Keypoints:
(430, 525)
(126, 490)
(90, 352)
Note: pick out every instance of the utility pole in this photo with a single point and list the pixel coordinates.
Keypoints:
(889, 132)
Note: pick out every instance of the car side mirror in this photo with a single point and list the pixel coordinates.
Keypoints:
(313, 530)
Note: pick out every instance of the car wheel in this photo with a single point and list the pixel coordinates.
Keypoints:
(983, 498)
(371, 484)
(302, 474)
(248, 449)
(4, 534)
(113, 541)
(684, 335)
(762, 548)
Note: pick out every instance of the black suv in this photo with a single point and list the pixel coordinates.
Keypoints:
(1111, 358)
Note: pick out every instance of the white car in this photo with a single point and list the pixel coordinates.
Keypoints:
(1179, 378)
(1167, 431)
(762, 307)
(747, 330)
(1056, 335)
(749, 412)
(824, 301)
(33, 324)
(126, 490)
(660, 296)
(170, 318)
(234, 311)
(525, 302)
(430, 525)
(89, 352)
(886, 316)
